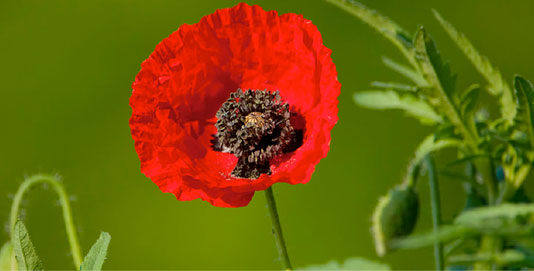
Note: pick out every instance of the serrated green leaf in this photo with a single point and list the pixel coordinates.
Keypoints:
(435, 71)
(408, 102)
(25, 254)
(6, 254)
(389, 29)
(355, 263)
(525, 100)
(468, 100)
(405, 71)
(97, 255)
(441, 83)
(497, 85)
(516, 157)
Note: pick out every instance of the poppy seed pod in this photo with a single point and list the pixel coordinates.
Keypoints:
(395, 216)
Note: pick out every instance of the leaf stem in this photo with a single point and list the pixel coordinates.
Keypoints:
(436, 210)
(65, 206)
(277, 229)
(490, 245)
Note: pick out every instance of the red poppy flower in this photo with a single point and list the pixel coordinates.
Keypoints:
(233, 104)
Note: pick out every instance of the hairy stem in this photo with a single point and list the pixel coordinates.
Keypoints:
(65, 206)
(277, 229)
(436, 210)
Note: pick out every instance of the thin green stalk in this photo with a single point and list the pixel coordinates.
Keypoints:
(65, 206)
(277, 229)
(487, 170)
(436, 210)
(490, 245)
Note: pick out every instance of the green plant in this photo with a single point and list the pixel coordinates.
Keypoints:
(19, 253)
(495, 229)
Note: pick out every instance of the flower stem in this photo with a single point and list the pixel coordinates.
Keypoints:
(65, 205)
(436, 210)
(277, 229)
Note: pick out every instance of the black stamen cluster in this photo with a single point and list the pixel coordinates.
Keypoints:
(255, 126)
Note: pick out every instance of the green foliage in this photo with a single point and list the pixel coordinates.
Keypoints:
(97, 255)
(468, 101)
(503, 220)
(516, 159)
(482, 144)
(431, 144)
(511, 258)
(25, 254)
(6, 254)
(349, 264)
(444, 234)
(390, 99)
(497, 85)
(441, 82)
(395, 216)
(406, 71)
(525, 101)
(428, 145)
(394, 86)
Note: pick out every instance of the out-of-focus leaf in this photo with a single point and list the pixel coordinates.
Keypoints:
(6, 254)
(516, 162)
(497, 85)
(97, 255)
(464, 159)
(468, 100)
(393, 86)
(429, 145)
(389, 29)
(506, 219)
(473, 197)
(393, 100)
(520, 196)
(394, 216)
(525, 98)
(519, 212)
(446, 131)
(443, 234)
(27, 258)
(355, 263)
(405, 71)
(442, 81)
(507, 258)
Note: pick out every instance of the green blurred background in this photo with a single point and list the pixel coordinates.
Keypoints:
(65, 76)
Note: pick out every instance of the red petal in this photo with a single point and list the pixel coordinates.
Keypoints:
(191, 73)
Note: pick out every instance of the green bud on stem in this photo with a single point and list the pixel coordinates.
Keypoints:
(395, 216)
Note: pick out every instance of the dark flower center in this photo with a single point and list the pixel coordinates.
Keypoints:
(255, 126)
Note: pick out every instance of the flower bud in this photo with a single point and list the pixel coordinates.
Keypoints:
(395, 216)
